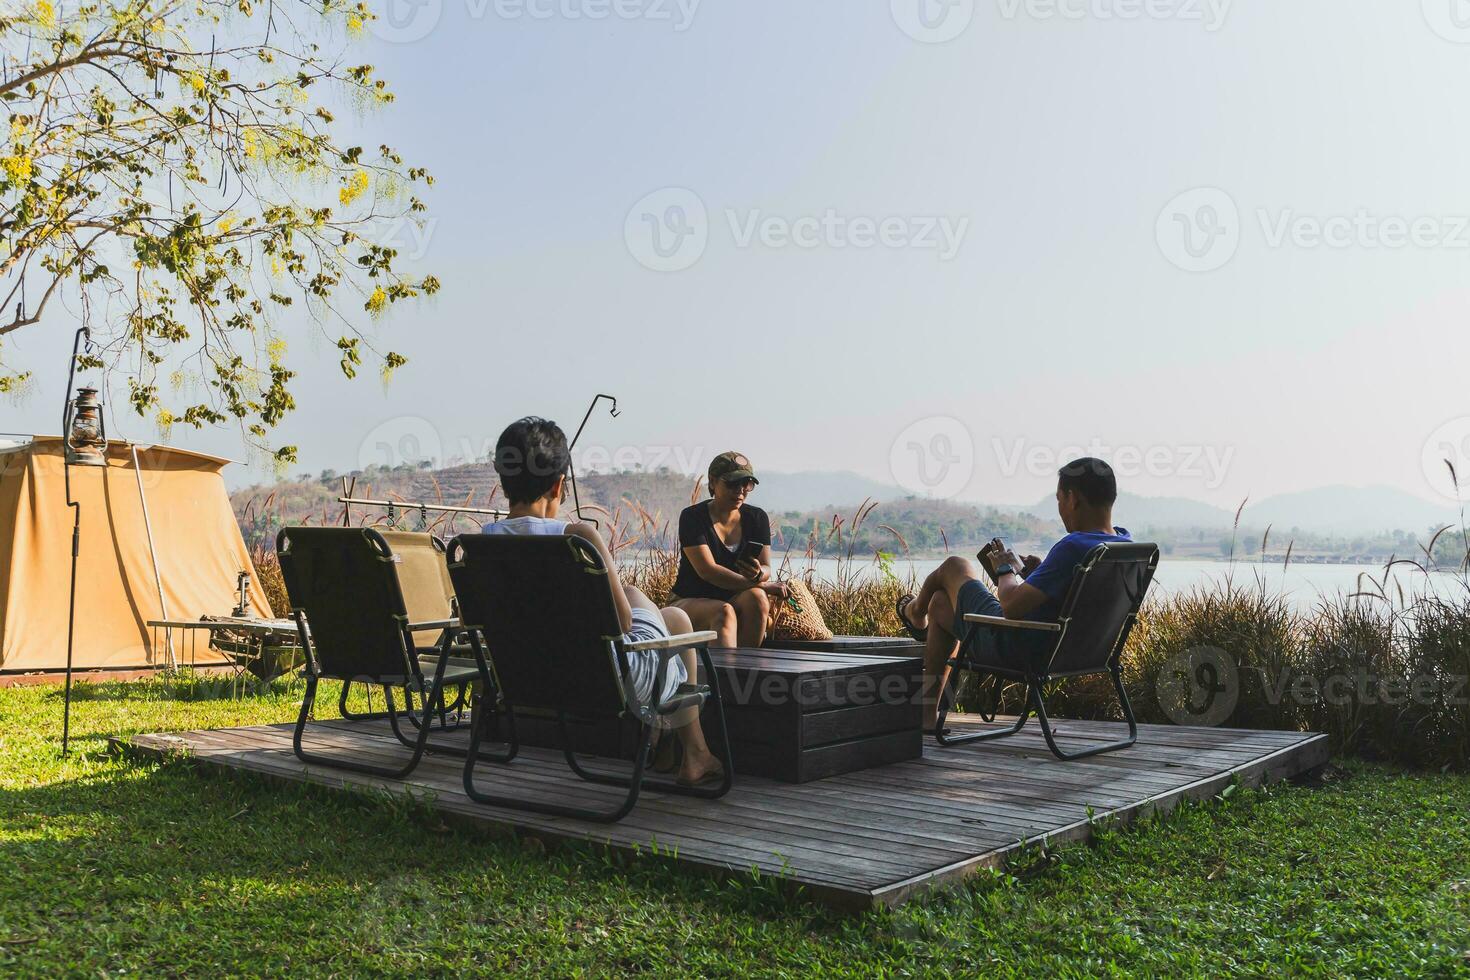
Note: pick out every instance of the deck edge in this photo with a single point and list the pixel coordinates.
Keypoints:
(1314, 748)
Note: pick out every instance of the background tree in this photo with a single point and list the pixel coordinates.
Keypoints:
(171, 177)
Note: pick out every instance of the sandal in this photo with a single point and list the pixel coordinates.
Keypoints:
(912, 630)
(713, 776)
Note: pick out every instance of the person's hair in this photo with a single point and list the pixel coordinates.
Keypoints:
(529, 456)
(1092, 478)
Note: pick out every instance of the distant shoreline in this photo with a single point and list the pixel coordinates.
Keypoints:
(967, 551)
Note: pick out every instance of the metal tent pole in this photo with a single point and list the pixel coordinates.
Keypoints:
(71, 608)
(173, 661)
(76, 534)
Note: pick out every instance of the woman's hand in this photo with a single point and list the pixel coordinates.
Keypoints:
(753, 570)
(777, 590)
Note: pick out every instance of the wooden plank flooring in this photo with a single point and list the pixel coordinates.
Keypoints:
(865, 839)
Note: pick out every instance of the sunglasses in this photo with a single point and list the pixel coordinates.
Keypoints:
(748, 484)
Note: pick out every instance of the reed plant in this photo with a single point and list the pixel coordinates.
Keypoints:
(860, 597)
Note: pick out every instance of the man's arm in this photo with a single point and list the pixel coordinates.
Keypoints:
(1017, 599)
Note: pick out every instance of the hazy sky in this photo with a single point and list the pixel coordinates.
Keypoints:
(942, 245)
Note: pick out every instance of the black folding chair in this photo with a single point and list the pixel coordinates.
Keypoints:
(543, 606)
(354, 627)
(1097, 615)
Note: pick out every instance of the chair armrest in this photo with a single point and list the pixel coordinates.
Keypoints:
(431, 660)
(674, 642)
(433, 624)
(1014, 624)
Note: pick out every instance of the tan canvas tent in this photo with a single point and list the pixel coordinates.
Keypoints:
(178, 495)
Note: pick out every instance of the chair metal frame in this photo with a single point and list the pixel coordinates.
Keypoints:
(412, 678)
(614, 654)
(443, 711)
(1035, 668)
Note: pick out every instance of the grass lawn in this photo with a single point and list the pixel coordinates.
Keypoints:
(110, 865)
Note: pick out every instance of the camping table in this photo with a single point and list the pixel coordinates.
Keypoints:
(792, 715)
(256, 631)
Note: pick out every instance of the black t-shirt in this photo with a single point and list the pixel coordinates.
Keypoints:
(696, 527)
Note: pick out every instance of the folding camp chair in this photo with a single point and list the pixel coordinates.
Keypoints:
(543, 606)
(354, 627)
(1097, 615)
(428, 595)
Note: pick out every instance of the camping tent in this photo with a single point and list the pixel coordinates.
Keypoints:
(148, 504)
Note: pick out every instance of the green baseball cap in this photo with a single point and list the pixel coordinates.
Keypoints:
(732, 467)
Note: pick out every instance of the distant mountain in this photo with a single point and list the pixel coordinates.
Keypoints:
(1170, 512)
(1350, 510)
(1137, 512)
(1342, 510)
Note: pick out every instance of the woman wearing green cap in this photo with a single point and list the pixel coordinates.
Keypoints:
(725, 582)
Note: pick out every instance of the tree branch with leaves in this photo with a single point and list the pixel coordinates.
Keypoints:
(172, 177)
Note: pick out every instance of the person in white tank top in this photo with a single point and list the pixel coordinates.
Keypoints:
(532, 458)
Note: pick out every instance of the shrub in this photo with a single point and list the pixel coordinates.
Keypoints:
(1435, 727)
(268, 571)
(1256, 629)
(1348, 639)
(1382, 672)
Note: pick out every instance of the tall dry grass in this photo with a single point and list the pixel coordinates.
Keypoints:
(268, 573)
(1258, 629)
(1382, 671)
(861, 597)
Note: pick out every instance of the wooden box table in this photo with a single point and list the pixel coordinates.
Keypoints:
(792, 715)
(891, 646)
(797, 715)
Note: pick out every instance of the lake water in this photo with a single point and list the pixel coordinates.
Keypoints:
(1303, 584)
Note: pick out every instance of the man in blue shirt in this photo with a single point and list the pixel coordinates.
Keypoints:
(1030, 588)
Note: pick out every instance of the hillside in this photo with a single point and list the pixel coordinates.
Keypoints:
(1351, 510)
(1333, 524)
(645, 506)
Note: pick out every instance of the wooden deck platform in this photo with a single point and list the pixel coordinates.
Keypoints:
(861, 840)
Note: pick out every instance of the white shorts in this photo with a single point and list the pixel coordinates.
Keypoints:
(643, 664)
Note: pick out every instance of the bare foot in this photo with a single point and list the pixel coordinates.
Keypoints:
(698, 767)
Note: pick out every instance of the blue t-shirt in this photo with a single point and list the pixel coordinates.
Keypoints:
(1054, 575)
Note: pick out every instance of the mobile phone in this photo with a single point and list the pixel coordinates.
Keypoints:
(751, 551)
(987, 556)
